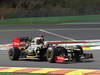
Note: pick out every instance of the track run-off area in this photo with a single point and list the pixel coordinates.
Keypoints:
(52, 33)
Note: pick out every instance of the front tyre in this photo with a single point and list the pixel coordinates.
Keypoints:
(51, 54)
(14, 53)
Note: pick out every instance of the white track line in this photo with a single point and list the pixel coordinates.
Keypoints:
(56, 35)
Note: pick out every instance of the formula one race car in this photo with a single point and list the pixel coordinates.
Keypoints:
(52, 51)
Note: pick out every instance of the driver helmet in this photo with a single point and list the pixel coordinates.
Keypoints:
(42, 37)
(38, 40)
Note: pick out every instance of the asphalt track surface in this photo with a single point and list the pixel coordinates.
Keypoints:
(50, 26)
(79, 32)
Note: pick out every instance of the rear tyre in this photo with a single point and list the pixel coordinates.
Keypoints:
(14, 53)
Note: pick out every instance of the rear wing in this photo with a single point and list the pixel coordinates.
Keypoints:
(16, 42)
(19, 42)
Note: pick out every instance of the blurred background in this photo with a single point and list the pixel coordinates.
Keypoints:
(45, 8)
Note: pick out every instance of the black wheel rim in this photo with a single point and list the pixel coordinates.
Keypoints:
(49, 55)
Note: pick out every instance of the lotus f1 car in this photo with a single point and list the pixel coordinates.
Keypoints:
(52, 51)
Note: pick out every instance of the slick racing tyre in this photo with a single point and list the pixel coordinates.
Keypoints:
(14, 53)
(42, 55)
(51, 54)
(78, 52)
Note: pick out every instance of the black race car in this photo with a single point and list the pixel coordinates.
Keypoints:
(51, 51)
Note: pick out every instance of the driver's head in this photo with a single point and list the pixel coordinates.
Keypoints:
(42, 37)
(38, 40)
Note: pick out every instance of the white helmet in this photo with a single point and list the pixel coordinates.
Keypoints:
(38, 40)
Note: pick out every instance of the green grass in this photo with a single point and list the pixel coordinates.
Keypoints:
(41, 20)
(47, 20)
(20, 74)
